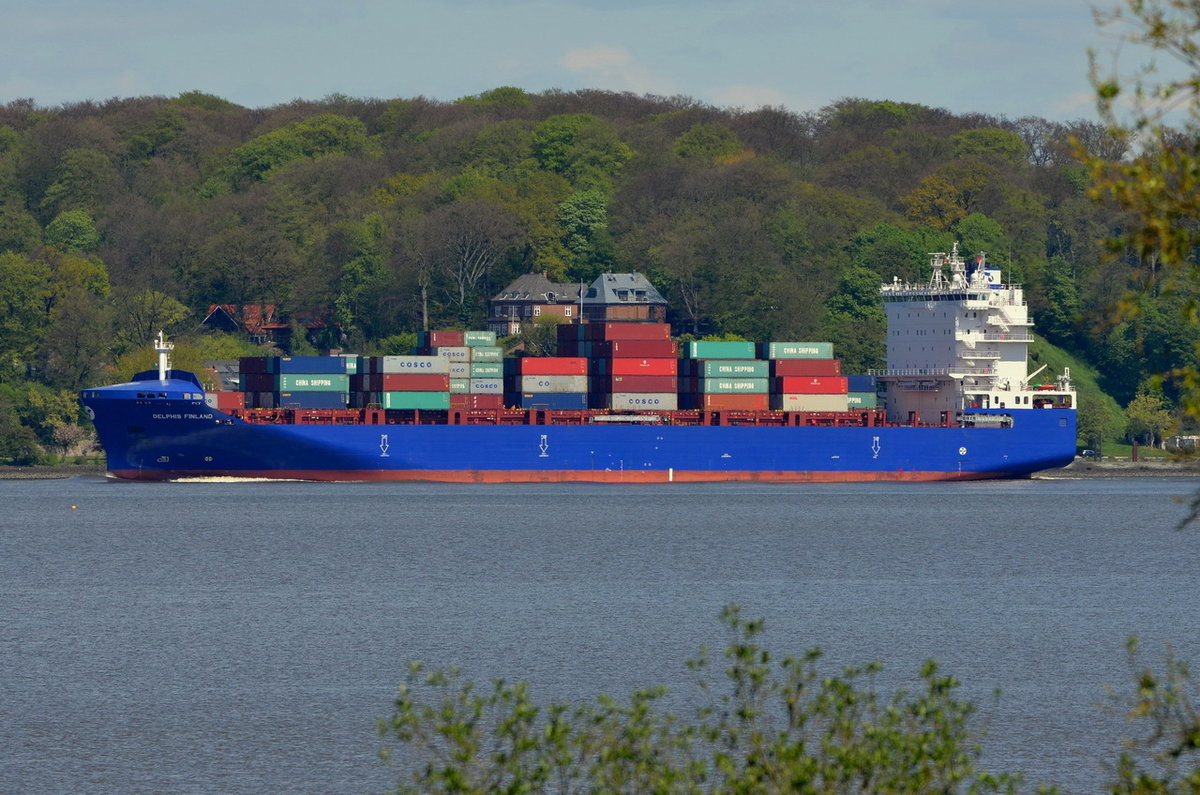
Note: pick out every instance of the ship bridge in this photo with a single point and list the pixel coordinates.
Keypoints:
(961, 341)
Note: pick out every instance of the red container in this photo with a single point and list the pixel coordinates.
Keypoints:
(628, 331)
(821, 367)
(810, 385)
(731, 402)
(638, 349)
(230, 400)
(434, 339)
(552, 365)
(410, 382)
(643, 366)
(634, 383)
(477, 401)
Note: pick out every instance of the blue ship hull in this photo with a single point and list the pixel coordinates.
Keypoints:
(162, 429)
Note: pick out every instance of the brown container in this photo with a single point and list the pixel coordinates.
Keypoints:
(435, 339)
(628, 331)
(798, 367)
(638, 349)
(477, 401)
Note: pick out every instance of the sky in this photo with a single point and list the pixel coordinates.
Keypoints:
(1011, 58)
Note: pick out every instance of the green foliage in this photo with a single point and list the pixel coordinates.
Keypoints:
(977, 233)
(73, 230)
(990, 142)
(502, 97)
(583, 217)
(24, 290)
(310, 138)
(19, 231)
(707, 143)
(1166, 757)
(1100, 414)
(82, 181)
(582, 147)
(203, 101)
(395, 345)
(770, 725)
(539, 338)
(1147, 419)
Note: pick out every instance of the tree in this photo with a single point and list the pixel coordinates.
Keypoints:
(584, 221)
(465, 240)
(773, 725)
(140, 316)
(1093, 422)
(23, 292)
(72, 230)
(707, 143)
(1148, 421)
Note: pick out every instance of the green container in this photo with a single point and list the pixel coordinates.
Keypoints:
(413, 400)
(487, 353)
(313, 382)
(487, 370)
(460, 386)
(477, 338)
(353, 364)
(862, 400)
(797, 350)
(711, 349)
(733, 368)
(732, 386)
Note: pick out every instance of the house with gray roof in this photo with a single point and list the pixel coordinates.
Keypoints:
(623, 296)
(612, 297)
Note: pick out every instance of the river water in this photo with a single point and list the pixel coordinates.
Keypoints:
(245, 637)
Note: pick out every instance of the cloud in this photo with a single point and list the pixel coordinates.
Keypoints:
(749, 97)
(610, 67)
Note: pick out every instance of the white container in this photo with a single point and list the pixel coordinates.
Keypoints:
(643, 401)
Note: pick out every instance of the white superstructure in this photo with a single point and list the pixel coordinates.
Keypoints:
(960, 342)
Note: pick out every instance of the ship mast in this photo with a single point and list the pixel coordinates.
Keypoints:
(164, 349)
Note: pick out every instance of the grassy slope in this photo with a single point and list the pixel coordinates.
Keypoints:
(1084, 377)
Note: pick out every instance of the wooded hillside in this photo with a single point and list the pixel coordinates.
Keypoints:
(382, 216)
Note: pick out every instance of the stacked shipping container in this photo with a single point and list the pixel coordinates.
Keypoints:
(474, 366)
(618, 366)
(302, 382)
(546, 382)
(633, 366)
(723, 376)
(805, 376)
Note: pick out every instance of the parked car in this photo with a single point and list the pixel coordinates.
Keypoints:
(1092, 454)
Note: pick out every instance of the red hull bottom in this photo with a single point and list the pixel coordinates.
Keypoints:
(567, 476)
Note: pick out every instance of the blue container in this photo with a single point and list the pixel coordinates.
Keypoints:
(860, 383)
(312, 400)
(312, 364)
(553, 400)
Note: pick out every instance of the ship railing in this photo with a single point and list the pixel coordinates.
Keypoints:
(1015, 336)
(931, 371)
(978, 354)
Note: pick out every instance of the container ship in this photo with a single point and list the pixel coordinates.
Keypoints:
(623, 402)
